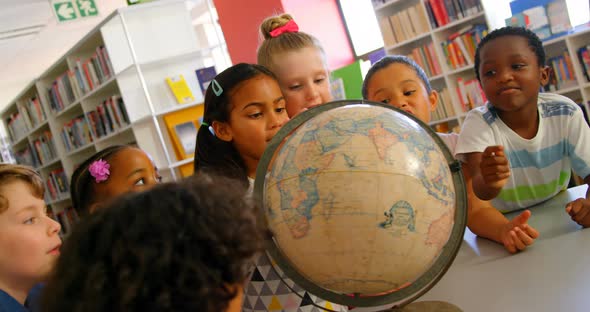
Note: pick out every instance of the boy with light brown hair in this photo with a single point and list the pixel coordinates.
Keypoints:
(29, 239)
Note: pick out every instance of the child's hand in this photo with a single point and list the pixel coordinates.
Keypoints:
(579, 210)
(494, 167)
(517, 234)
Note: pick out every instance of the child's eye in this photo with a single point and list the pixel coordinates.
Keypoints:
(255, 115)
(29, 220)
(280, 109)
(408, 93)
(320, 80)
(489, 73)
(518, 66)
(386, 101)
(295, 87)
(140, 182)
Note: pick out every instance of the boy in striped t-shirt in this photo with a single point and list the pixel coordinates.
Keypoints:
(522, 145)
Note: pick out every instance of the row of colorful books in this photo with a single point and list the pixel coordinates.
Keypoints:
(108, 117)
(426, 58)
(92, 72)
(444, 108)
(584, 57)
(33, 112)
(61, 93)
(459, 48)
(404, 25)
(470, 94)
(56, 185)
(44, 148)
(562, 72)
(16, 126)
(76, 133)
(442, 12)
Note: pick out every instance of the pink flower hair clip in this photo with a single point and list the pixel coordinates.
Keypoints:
(99, 170)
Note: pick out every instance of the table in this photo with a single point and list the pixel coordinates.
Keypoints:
(551, 275)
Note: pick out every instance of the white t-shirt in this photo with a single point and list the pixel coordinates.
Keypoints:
(540, 167)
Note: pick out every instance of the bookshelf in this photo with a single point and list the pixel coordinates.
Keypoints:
(442, 39)
(110, 88)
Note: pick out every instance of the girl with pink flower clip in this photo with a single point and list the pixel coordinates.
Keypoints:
(109, 173)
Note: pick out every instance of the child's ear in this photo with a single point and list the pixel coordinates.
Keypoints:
(433, 100)
(545, 75)
(222, 131)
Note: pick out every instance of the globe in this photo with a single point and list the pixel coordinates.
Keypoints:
(365, 203)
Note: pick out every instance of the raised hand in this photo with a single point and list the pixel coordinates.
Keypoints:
(494, 167)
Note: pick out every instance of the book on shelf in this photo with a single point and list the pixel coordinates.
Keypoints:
(108, 117)
(459, 48)
(92, 72)
(76, 133)
(404, 25)
(426, 58)
(26, 156)
(442, 12)
(180, 89)
(56, 185)
(546, 18)
(444, 108)
(182, 128)
(44, 148)
(470, 94)
(204, 76)
(16, 126)
(60, 94)
(187, 170)
(584, 58)
(352, 76)
(33, 112)
(562, 73)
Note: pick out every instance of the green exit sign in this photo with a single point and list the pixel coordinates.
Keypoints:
(69, 10)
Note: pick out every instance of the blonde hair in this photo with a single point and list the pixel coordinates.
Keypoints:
(10, 173)
(284, 42)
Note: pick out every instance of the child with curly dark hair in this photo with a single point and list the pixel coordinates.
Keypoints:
(176, 247)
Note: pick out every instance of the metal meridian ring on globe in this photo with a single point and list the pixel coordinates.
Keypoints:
(405, 295)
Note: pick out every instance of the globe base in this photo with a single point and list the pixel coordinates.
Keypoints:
(427, 306)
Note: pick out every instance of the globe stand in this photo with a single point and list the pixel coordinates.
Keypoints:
(427, 306)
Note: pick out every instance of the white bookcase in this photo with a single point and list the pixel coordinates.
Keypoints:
(578, 91)
(146, 44)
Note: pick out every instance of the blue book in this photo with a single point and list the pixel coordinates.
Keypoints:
(205, 75)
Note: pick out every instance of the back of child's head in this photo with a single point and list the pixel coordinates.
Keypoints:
(10, 173)
(533, 40)
(281, 34)
(395, 59)
(180, 246)
(82, 182)
(213, 154)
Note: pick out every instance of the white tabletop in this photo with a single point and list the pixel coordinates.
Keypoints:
(551, 275)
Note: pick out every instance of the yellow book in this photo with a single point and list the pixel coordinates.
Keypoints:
(182, 128)
(180, 89)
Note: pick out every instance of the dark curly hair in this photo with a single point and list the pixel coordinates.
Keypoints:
(533, 40)
(176, 247)
(82, 187)
(395, 59)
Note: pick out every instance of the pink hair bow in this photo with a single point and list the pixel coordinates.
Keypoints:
(290, 26)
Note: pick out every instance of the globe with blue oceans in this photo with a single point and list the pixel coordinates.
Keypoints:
(365, 203)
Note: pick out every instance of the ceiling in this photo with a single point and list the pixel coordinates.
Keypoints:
(31, 40)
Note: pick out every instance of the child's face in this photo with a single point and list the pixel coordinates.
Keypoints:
(303, 78)
(131, 171)
(29, 239)
(510, 74)
(399, 85)
(257, 113)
